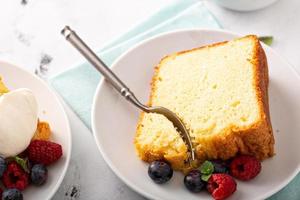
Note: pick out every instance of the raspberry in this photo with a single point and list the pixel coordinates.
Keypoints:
(245, 167)
(221, 186)
(44, 152)
(15, 177)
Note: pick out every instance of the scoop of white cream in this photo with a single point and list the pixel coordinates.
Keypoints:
(18, 121)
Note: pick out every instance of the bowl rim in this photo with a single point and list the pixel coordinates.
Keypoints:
(246, 7)
(134, 186)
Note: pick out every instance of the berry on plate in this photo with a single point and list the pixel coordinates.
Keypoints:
(12, 194)
(44, 152)
(160, 172)
(193, 181)
(245, 167)
(15, 177)
(2, 166)
(39, 174)
(220, 166)
(221, 186)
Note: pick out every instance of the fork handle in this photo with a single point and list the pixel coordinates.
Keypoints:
(111, 77)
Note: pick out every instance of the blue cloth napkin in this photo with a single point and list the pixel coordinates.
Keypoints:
(77, 86)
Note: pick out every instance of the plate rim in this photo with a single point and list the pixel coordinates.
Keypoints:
(65, 116)
(102, 82)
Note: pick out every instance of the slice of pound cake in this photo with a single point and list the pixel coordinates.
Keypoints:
(220, 92)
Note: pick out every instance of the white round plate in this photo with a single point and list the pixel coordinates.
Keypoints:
(50, 110)
(114, 120)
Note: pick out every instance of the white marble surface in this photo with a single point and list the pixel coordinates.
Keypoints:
(31, 30)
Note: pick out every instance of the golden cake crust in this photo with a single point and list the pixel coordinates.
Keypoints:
(256, 140)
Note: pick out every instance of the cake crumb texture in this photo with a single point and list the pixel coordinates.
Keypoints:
(220, 92)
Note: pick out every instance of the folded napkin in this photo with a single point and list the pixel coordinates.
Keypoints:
(77, 86)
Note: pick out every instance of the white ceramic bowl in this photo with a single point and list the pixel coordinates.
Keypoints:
(245, 5)
(50, 110)
(114, 120)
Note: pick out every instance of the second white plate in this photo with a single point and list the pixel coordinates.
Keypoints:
(50, 110)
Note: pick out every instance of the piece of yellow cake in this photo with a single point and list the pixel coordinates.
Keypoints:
(220, 92)
(43, 131)
(3, 88)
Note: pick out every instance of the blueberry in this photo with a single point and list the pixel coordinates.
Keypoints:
(160, 171)
(12, 194)
(193, 181)
(2, 166)
(220, 166)
(39, 174)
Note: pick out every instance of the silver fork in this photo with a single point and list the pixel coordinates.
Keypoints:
(112, 78)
